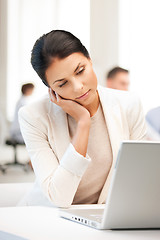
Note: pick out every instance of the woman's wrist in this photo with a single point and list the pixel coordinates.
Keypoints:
(84, 123)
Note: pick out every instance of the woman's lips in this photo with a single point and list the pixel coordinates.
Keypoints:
(84, 95)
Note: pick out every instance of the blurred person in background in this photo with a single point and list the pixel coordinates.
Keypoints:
(15, 133)
(118, 78)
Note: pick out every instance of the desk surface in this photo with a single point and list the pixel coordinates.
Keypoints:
(43, 223)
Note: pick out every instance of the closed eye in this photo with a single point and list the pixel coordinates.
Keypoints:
(81, 70)
(61, 85)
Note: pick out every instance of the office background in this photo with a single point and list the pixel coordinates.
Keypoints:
(116, 32)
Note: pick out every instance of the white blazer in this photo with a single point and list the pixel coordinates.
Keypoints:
(57, 165)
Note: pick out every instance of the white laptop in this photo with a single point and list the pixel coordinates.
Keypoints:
(133, 200)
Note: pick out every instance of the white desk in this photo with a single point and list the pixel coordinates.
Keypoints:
(42, 223)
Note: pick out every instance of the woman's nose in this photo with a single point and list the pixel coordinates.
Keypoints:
(77, 85)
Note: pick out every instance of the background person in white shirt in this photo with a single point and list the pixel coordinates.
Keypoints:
(73, 135)
(153, 124)
(15, 133)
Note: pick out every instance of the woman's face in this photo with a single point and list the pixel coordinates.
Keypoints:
(73, 78)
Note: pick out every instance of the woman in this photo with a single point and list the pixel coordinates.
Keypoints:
(73, 136)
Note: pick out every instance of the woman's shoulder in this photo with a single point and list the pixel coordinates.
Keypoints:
(115, 92)
(38, 110)
(37, 107)
(117, 96)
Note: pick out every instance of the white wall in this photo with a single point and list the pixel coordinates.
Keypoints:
(3, 56)
(104, 36)
(139, 48)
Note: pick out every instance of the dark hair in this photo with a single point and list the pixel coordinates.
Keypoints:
(26, 86)
(57, 43)
(115, 70)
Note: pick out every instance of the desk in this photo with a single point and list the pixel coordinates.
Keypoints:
(43, 223)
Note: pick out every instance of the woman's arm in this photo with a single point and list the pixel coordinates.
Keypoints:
(59, 178)
(80, 139)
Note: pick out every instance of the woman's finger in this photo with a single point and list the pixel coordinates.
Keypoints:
(52, 95)
(57, 97)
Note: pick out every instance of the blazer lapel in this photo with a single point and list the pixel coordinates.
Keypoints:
(113, 118)
(59, 125)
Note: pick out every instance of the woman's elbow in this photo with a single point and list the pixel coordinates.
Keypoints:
(60, 202)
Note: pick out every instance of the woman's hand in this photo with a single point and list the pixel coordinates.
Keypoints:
(74, 109)
(81, 116)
